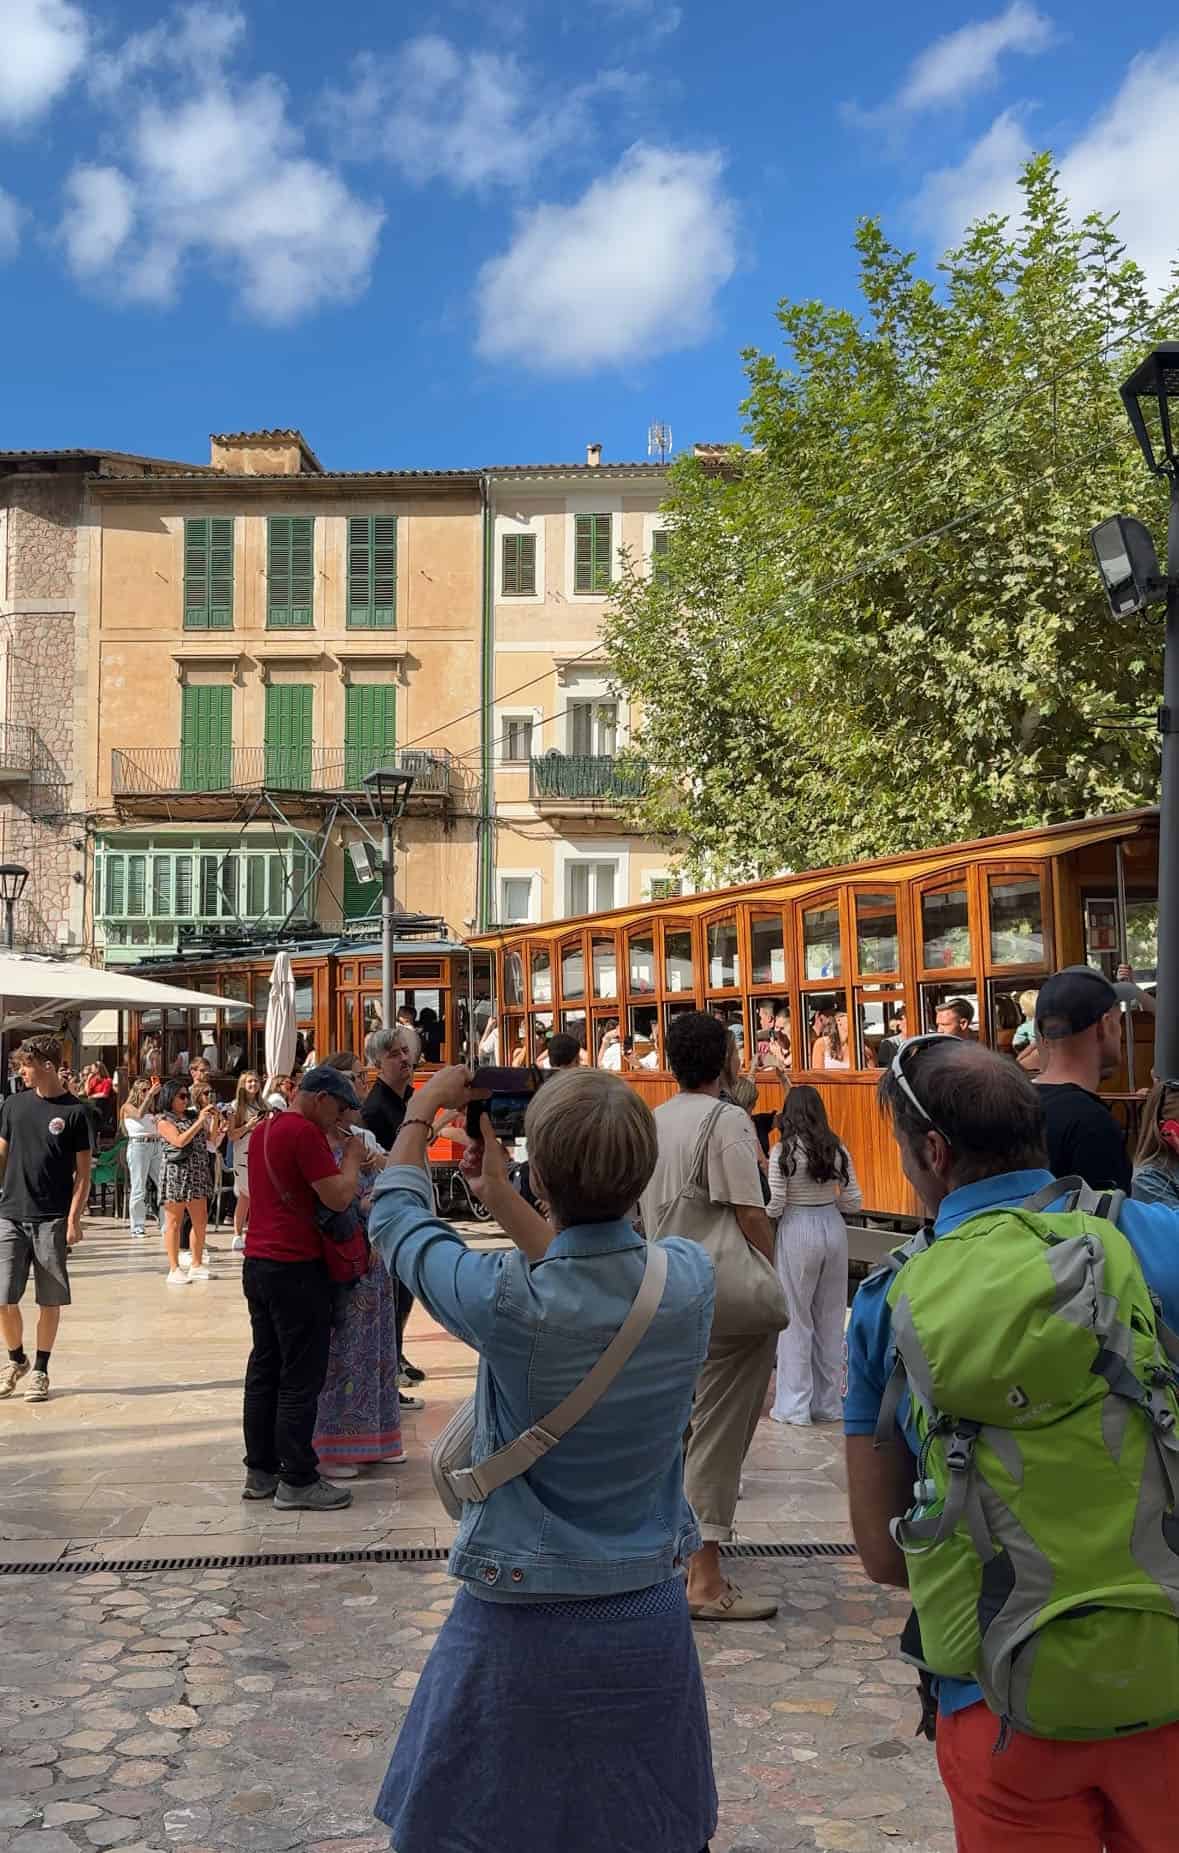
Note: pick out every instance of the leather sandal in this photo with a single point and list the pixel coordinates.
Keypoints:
(733, 1606)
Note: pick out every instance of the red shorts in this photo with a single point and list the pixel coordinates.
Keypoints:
(1120, 1794)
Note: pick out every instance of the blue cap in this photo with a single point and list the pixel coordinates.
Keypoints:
(324, 1080)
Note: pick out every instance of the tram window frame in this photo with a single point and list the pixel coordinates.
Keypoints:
(758, 987)
(988, 874)
(948, 881)
(596, 941)
(834, 901)
(781, 1003)
(877, 891)
(512, 1024)
(537, 1000)
(643, 932)
(886, 994)
(678, 927)
(964, 985)
(572, 945)
(513, 976)
(724, 920)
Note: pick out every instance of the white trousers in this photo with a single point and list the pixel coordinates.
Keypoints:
(811, 1257)
(143, 1162)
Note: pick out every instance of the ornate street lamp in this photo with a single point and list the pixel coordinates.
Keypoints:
(13, 877)
(388, 794)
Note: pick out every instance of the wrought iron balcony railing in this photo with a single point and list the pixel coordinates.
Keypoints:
(16, 751)
(562, 776)
(172, 771)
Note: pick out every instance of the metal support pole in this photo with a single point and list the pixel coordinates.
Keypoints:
(10, 923)
(1124, 959)
(387, 922)
(1166, 1022)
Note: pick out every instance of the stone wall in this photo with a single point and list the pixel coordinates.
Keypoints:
(43, 513)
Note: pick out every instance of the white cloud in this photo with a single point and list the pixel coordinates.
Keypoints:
(471, 118)
(657, 16)
(42, 45)
(212, 170)
(12, 216)
(628, 271)
(967, 60)
(1126, 161)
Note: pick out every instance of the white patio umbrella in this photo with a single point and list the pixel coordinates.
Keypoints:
(281, 1026)
(36, 988)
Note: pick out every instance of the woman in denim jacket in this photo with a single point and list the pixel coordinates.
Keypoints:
(562, 1708)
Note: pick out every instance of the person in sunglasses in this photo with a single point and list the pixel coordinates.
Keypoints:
(970, 1128)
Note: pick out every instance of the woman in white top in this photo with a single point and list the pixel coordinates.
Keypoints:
(143, 1151)
(811, 1178)
(248, 1111)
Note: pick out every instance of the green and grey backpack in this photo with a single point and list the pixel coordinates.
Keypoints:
(1043, 1542)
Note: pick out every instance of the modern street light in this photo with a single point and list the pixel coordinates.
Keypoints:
(388, 794)
(1130, 570)
(13, 876)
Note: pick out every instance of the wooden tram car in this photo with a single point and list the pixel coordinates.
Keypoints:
(880, 945)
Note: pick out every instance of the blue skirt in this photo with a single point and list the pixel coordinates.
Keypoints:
(563, 1727)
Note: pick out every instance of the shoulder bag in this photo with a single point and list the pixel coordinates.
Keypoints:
(342, 1238)
(456, 1481)
(750, 1299)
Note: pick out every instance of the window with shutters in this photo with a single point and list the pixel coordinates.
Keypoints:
(206, 738)
(515, 898)
(518, 573)
(287, 739)
(659, 555)
(592, 729)
(290, 571)
(208, 573)
(589, 887)
(593, 553)
(517, 743)
(372, 572)
(362, 899)
(370, 729)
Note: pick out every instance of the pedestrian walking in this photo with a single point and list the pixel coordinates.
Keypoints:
(812, 1181)
(706, 1183)
(1016, 1353)
(562, 1704)
(45, 1157)
(186, 1175)
(138, 1119)
(288, 1289)
(1079, 1039)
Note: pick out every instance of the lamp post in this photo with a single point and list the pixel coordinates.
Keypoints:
(388, 794)
(13, 877)
(1132, 579)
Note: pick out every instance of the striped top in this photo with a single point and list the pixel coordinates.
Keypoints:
(798, 1190)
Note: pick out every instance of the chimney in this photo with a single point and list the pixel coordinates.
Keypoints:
(593, 455)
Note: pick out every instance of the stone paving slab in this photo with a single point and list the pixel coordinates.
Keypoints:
(254, 1709)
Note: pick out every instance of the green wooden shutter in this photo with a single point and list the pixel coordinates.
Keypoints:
(519, 565)
(288, 735)
(592, 553)
(372, 572)
(370, 729)
(362, 899)
(208, 573)
(206, 739)
(659, 555)
(290, 566)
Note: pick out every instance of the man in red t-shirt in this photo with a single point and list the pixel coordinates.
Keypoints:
(288, 1289)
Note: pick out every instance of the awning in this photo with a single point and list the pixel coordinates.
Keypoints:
(38, 987)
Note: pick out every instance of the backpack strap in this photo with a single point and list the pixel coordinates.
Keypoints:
(897, 1383)
(1072, 1193)
(915, 1536)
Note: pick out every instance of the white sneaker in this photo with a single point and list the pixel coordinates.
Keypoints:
(335, 1472)
(199, 1273)
(186, 1257)
(238, 1244)
(139, 1235)
(176, 1277)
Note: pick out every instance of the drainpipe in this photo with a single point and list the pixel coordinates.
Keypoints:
(486, 839)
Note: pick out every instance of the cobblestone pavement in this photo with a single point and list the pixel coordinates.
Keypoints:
(254, 1709)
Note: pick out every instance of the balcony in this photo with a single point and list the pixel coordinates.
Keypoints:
(16, 753)
(584, 783)
(202, 782)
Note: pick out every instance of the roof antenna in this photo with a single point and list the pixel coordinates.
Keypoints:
(659, 441)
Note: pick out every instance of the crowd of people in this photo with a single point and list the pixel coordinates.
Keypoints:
(1006, 1387)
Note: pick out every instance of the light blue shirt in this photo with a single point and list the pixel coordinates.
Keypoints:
(605, 1510)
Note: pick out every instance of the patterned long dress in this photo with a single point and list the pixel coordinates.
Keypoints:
(359, 1415)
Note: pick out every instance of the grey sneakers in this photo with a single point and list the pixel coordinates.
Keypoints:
(38, 1387)
(259, 1485)
(10, 1376)
(320, 1496)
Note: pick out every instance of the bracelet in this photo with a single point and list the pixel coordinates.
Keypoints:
(407, 1121)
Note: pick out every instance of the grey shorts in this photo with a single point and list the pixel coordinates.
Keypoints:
(41, 1246)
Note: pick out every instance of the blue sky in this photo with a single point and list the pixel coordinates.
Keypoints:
(495, 230)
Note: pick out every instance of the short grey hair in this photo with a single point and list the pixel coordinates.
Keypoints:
(382, 1042)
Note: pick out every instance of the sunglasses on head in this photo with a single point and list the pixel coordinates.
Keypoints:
(897, 1071)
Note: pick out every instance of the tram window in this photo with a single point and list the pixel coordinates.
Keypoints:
(1007, 1019)
(541, 1024)
(822, 954)
(732, 1016)
(516, 1042)
(604, 964)
(513, 978)
(937, 997)
(672, 1011)
(877, 945)
(945, 929)
(573, 972)
(881, 1022)
(644, 1032)
(1142, 938)
(828, 1029)
(770, 1032)
(1017, 920)
(641, 961)
(767, 948)
(348, 1024)
(541, 973)
(372, 1014)
(574, 1024)
(677, 960)
(724, 962)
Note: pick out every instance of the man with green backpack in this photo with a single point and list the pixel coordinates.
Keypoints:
(1011, 1416)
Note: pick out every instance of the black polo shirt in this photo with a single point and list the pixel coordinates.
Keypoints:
(383, 1111)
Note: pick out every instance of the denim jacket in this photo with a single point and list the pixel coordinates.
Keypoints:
(605, 1510)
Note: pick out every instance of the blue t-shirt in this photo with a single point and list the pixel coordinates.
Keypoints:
(1152, 1231)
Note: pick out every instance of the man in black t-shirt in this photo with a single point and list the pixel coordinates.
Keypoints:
(1079, 1036)
(45, 1159)
(393, 1052)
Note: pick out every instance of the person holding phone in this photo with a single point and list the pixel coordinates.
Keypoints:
(570, 1574)
(186, 1174)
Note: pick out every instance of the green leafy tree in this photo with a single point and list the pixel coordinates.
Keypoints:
(879, 624)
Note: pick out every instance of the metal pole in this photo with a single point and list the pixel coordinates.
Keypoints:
(10, 922)
(1124, 959)
(1166, 1022)
(387, 921)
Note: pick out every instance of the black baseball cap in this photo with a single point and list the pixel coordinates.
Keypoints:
(1071, 1001)
(324, 1080)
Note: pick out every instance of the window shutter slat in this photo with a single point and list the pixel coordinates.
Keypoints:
(583, 553)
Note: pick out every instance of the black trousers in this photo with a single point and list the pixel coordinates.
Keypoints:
(291, 1320)
(403, 1306)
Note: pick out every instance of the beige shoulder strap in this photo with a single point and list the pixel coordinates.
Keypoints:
(476, 1483)
(697, 1178)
